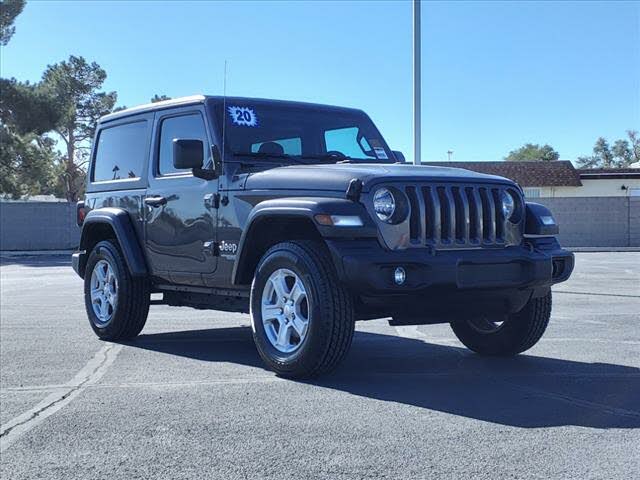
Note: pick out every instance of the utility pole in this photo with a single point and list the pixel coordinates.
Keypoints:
(417, 154)
(449, 153)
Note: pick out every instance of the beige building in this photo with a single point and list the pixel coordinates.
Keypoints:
(560, 179)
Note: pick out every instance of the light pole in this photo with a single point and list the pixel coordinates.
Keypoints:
(449, 153)
(416, 83)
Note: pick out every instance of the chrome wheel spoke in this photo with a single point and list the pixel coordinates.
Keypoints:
(100, 272)
(297, 292)
(104, 308)
(300, 326)
(279, 285)
(284, 335)
(271, 311)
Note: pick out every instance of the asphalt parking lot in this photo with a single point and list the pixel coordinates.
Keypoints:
(190, 399)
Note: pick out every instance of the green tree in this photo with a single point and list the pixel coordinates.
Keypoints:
(9, 10)
(533, 152)
(27, 108)
(74, 87)
(159, 98)
(622, 154)
(28, 164)
(27, 155)
(28, 158)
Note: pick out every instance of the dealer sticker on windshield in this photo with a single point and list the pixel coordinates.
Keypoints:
(243, 116)
(380, 153)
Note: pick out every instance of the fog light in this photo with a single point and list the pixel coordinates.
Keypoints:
(399, 276)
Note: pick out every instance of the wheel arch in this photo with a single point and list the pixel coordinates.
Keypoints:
(293, 218)
(115, 224)
(264, 231)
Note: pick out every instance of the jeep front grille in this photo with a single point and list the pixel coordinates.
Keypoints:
(461, 216)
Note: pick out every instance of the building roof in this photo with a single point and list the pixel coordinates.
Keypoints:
(611, 173)
(559, 173)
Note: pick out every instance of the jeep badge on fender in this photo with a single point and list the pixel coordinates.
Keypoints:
(304, 217)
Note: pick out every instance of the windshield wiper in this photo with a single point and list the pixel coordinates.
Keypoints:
(282, 156)
(330, 158)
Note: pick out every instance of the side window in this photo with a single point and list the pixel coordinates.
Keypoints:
(345, 141)
(189, 127)
(120, 153)
(290, 146)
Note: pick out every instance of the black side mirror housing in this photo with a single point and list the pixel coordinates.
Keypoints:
(399, 156)
(187, 153)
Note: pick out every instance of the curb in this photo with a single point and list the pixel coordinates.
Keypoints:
(34, 253)
(602, 249)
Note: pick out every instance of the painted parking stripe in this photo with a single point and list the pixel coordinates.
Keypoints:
(90, 374)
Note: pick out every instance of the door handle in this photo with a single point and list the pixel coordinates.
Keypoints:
(155, 201)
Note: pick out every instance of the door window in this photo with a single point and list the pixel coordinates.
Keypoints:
(187, 127)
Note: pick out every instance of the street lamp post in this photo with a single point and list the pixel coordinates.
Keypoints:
(416, 83)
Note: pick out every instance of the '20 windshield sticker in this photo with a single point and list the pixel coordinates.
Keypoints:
(243, 116)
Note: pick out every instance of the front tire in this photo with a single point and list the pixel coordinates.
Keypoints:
(515, 334)
(117, 304)
(302, 318)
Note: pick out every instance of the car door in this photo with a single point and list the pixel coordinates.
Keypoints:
(180, 218)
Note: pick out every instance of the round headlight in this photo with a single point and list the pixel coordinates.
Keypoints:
(508, 205)
(384, 204)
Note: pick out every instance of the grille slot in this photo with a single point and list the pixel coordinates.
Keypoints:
(463, 216)
(414, 219)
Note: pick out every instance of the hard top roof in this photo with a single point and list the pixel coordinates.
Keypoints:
(195, 99)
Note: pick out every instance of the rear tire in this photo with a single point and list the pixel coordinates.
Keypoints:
(317, 315)
(518, 332)
(117, 304)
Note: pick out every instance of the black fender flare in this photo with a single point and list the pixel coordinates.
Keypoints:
(539, 221)
(120, 222)
(306, 208)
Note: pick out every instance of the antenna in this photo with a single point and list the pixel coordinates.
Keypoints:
(224, 110)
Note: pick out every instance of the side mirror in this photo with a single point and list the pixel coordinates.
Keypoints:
(187, 153)
(210, 173)
(399, 156)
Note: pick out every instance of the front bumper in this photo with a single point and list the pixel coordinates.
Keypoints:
(366, 268)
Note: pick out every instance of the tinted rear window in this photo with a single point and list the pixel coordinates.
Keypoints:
(121, 152)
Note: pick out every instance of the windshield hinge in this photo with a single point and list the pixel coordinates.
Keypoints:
(212, 200)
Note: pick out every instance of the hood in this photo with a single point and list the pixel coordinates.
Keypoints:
(336, 177)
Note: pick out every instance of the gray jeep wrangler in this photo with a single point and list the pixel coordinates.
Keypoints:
(301, 216)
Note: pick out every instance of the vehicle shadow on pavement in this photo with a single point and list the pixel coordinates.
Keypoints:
(524, 391)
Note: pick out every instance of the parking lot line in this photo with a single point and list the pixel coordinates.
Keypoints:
(91, 373)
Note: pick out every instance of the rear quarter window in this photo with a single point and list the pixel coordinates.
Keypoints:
(120, 152)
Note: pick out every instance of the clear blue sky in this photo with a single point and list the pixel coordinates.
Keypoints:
(495, 74)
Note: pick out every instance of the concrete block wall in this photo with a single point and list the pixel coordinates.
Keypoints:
(38, 226)
(596, 221)
(634, 221)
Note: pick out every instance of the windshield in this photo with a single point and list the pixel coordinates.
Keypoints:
(301, 134)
